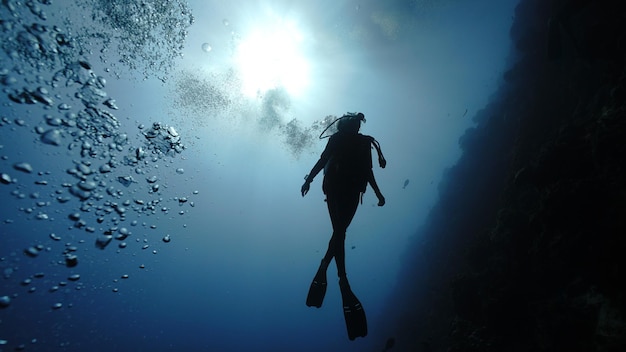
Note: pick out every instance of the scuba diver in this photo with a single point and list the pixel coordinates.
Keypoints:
(347, 164)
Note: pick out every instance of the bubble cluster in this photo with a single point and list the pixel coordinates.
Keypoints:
(149, 35)
(162, 139)
(326, 124)
(55, 98)
(38, 46)
(204, 99)
(298, 138)
(200, 96)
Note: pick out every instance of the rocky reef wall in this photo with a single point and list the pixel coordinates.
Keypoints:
(526, 249)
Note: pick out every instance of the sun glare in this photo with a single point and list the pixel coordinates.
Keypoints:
(272, 56)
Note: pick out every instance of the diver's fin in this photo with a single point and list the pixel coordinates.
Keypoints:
(317, 291)
(353, 312)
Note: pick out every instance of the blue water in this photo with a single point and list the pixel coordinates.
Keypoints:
(237, 131)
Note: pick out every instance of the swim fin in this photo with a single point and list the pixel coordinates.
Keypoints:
(317, 291)
(353, 312)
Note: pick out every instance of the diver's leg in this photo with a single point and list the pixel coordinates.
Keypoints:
(337, 238)
(342, 210)
(340, 257)
(333, 211)
(335, 249)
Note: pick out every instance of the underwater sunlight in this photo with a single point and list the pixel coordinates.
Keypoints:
(270, 56)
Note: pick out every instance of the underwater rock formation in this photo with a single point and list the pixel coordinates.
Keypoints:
(525, 250)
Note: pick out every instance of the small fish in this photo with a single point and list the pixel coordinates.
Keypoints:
(465, 113)
(406, 182)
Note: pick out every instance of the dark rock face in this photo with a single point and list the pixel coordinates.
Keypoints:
(526, 250)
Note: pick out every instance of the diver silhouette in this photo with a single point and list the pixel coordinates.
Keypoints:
(347, 164)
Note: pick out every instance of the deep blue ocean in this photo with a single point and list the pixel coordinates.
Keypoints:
(152, 154)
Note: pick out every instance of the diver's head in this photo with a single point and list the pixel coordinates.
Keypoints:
(350, 123)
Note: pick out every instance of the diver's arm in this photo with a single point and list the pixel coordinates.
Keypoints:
(372, 181)
(319, 165)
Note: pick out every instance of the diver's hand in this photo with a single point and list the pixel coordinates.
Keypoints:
(381, 200)
(305, 188)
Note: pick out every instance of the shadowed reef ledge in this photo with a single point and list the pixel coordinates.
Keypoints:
(526, 248)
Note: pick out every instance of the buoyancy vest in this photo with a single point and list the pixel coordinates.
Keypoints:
(349, 163)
